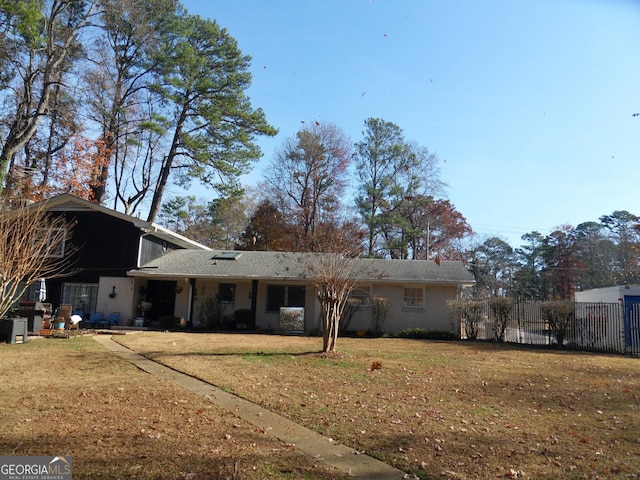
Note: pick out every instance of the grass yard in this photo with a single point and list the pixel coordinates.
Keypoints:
(436, 409)
(72, 397)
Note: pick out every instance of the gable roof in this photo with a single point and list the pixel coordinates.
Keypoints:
(70, 203)
(260, 265)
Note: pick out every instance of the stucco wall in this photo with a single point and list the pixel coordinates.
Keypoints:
(123, 302)
(434, 315)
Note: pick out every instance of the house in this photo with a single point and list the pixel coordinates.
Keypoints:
(108, 245)
(256, 288)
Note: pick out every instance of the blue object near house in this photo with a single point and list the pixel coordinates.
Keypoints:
(94, 319)
(632, 323)
(109, 321)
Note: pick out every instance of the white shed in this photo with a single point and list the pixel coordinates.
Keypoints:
(615, 294)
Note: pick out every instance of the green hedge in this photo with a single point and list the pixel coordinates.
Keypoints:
(421, 333)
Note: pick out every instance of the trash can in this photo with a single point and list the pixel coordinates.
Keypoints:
(14, 330)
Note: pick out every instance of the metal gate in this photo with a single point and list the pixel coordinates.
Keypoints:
(632, 324)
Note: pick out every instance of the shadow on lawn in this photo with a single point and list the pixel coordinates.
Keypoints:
(316, 353)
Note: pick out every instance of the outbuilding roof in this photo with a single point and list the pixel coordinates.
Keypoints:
(261, 265)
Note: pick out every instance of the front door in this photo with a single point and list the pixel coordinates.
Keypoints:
(162, 295)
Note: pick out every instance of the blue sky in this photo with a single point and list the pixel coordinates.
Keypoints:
(528, 104)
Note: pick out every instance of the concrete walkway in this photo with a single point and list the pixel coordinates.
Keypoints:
(311, 443)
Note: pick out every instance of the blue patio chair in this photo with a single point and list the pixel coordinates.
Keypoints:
(94, 319)
(112, 319)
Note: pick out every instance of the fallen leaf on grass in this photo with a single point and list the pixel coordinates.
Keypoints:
(376, 366)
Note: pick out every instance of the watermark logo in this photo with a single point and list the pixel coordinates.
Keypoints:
(36, 468)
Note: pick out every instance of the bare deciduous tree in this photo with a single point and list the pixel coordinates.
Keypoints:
(334, 276)
(307, 179)
(33, 245)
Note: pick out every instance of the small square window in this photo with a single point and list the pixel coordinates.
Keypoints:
(227, 292)
(413, 297)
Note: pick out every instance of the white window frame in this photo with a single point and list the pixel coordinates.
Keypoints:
(49, 232)
(362, 293)
(410, 299)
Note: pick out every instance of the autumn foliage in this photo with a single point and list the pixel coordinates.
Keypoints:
(74, 171)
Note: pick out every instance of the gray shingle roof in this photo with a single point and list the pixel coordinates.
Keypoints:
(291, 266)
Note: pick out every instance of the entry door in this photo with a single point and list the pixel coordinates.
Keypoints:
(632, 323)
(162, 295)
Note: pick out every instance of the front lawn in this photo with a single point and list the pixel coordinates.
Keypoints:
(437, 409)
(62, 397)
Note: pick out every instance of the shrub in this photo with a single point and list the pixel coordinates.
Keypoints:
(468, 312)
(379, 308)
(211, 313)
(502, 308)
(559, 314)
(350, 308)
(421, 333)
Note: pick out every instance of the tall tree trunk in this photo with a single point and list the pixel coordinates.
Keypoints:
(163, 179)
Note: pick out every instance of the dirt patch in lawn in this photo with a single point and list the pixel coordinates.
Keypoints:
(72, 397)
(437, 409)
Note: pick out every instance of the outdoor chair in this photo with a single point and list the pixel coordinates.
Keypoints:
(94, 319)
(64, 311)
(111, 319)
(73, 323)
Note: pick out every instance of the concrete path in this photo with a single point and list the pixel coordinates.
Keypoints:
(313, 444)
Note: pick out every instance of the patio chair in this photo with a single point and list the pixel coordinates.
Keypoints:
(111, 319)
(64, 311)
(73, 323)
(94, 319)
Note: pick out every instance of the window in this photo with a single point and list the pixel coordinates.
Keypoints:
(413, 297)
(57, 235)
(81, 296)
(284, 296)
(362, 294)
(227, 292)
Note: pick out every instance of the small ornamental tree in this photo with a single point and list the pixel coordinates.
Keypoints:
(502, 308)
(333, 276)
(33, 245)
(559, 315)
(379, 308)
(468, 312)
